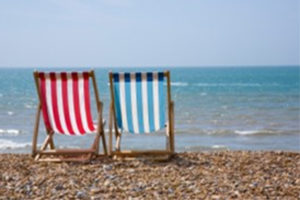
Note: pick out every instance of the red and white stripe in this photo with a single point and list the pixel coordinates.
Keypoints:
(65, 99)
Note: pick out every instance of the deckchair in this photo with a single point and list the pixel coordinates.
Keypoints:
(139, 104)
(64, 100)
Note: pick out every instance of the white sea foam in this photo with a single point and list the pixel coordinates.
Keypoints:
(216, 146)
(9, 132)
(217, 132)
(228, 84)
(253, 132)
(179, 84)
(10, 113)
(29, 106)
(8, 144)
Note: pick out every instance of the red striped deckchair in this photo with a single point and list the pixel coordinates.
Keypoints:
(64, 99)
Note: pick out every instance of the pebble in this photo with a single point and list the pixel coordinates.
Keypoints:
(131, 170)
(81, 195)
(107, 167)
(206, 175)
(106, 183)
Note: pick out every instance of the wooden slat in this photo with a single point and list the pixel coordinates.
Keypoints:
(66, 151)
(142, 153)
(64, 160)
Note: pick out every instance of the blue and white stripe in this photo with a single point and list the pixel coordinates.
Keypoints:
(140, 101)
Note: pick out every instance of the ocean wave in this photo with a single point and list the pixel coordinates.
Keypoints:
(199, 131)
(29, 106)
(13, 132)
(222, 84)
(217, 132)
(8, 144)
(228, 84)
(10, 113)
(231, 132)
(179, 84)
(217, 146)
(254, 132)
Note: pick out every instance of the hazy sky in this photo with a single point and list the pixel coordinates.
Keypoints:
(149, 33)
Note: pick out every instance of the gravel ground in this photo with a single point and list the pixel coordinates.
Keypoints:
(207, 175)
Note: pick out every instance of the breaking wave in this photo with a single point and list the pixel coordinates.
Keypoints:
(216, 146)
(221, 84)
(29, 106)
(228, 84)
(13, 132)
(8, 144)
(254, 132)
(231, 132)
(179, 84)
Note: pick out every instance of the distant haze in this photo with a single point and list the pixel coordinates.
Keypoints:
(59, 33)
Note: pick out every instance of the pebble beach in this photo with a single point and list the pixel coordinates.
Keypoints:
(205, 175)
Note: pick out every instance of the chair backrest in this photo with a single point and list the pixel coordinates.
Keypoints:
(139, 101)
(65, 101)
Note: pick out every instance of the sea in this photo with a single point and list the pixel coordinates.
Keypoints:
(216, 108)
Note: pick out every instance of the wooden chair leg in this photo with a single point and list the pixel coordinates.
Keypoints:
(100, 132)
(96, 143)
(36, 129)
(110, 143)
(110, 139)
(118, 142)
(52, 146)
(104, 142)
(172, 146)
(168, 142)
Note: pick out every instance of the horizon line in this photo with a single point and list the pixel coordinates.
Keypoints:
(153, 66)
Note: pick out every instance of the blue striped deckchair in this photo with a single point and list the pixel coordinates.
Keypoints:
(139, 102)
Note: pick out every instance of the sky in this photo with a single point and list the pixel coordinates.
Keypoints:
(114, 33)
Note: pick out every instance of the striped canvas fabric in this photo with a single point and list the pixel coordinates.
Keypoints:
(140, 101)
(65, 102)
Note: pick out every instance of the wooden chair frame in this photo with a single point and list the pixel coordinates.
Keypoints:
(117, 153)
(60, 155)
